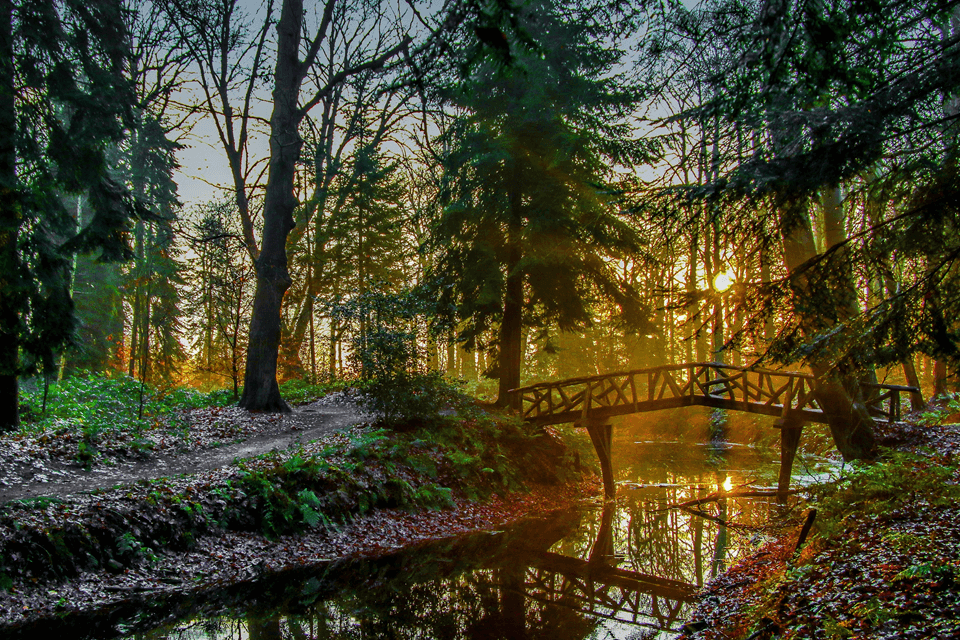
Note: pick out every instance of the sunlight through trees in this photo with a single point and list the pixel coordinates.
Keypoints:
(566, 187)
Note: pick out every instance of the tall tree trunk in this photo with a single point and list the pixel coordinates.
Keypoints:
(511, 328)
(134, 333)
(511, 325)
(834, 237)
(260, 389)
(951, 133)
(939, 378)
(886, 283)
(450, 359)
(839, 396)
(62, 366)
(332, 353)
(913, 380)
(295, 334)
(468, 367)
(11, 294)
(765, 259)
(691, 308)
(313, 344)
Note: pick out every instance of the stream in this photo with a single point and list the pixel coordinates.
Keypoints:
(623, 570)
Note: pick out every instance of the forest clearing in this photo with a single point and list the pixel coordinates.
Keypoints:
(479, 318)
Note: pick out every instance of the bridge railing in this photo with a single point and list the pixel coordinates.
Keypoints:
(775, 393)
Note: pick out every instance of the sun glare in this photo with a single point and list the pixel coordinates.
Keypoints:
(723, 281)
(728, 483)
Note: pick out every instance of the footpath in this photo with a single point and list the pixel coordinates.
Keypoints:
(238, 498)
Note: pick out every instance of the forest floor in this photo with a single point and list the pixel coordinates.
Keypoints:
(227, 500)
(47, 464)
(883, 560)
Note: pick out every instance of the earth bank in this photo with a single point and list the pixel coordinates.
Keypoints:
(360, 492)
(883, 560)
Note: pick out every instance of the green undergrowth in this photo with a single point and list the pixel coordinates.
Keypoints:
(94, 416)
(940, 409)
(879, 490)
(313, 488)
(104, 403)
(93, 410)
(296, 391)
(98, 404)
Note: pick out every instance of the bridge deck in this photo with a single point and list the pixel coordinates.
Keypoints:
(782, 394)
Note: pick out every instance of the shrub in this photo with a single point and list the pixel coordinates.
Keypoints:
(884, 487)
(387, 353)
(96, 404)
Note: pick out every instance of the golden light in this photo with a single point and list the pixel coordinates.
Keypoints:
(728, 484)
(723, 281)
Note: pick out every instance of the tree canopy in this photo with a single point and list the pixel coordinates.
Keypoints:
(575, 186)
(529, 228)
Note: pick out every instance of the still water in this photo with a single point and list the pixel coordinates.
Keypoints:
(622, 570)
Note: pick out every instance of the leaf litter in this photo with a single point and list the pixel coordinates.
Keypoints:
(878, 573)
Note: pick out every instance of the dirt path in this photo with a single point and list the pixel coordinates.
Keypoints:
(306, 423)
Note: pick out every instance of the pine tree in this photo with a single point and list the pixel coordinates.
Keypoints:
(154, 279)
(825, 93)
(64, 99)
(129, 314)
(527, 225)
(371, 256)
(220, 294)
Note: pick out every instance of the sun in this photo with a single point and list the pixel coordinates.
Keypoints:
(723, 281)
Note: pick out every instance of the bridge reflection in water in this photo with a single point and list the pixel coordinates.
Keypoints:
(542, 581)
(598, 588)
(626, 573)
(521, 591)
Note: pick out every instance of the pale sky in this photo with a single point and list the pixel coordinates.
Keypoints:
(203, 164)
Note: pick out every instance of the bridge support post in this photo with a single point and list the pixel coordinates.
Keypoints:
(601, 434)
(790, 430)
(602, 551)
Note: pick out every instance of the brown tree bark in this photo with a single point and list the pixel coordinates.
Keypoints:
(839, 396)
(885, 283)
(260, 389)
(939, 378)
(511, 325)
(835, 239)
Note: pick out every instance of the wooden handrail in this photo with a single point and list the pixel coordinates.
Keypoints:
(776, 393)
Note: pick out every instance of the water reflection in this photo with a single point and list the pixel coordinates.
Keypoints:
(625, 570)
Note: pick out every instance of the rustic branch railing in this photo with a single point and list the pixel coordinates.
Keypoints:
(604, 591)
(783, 394)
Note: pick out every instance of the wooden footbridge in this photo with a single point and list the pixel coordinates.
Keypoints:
(789, 396)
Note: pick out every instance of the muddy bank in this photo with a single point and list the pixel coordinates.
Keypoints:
(302, 583)
(231, 560)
